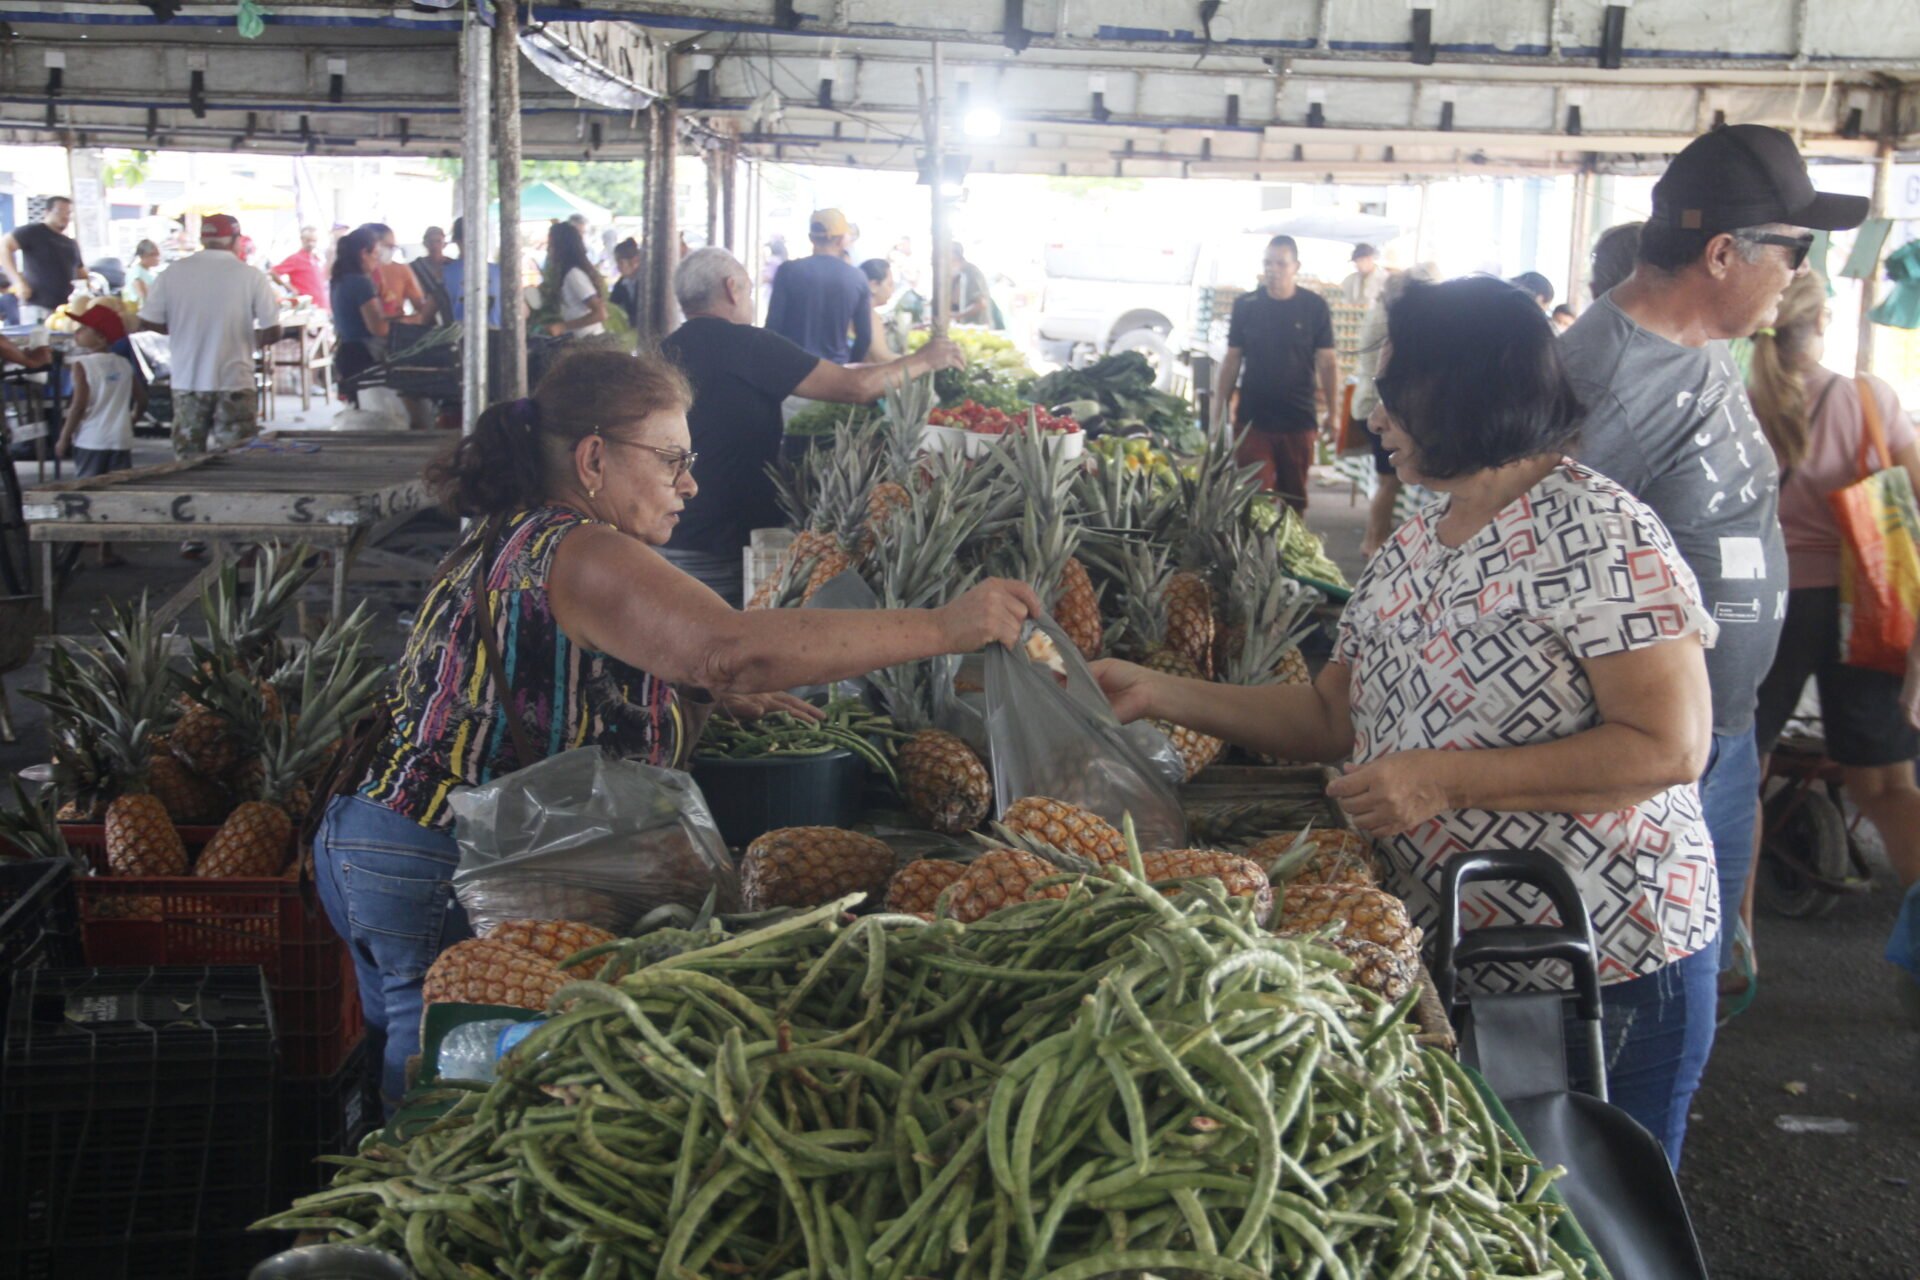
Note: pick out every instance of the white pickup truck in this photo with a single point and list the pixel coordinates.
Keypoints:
(1104, 298)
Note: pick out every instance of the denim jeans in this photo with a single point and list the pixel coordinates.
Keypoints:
(1656, 1033)
(1730, 802)
(387, 885)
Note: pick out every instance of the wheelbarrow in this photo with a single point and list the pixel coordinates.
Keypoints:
(1619, 1185)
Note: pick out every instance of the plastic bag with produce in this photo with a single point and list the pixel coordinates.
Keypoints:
(1051, 732)
(585, 836)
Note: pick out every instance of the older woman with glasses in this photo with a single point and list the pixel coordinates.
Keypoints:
(1521, 665)
(561, 588)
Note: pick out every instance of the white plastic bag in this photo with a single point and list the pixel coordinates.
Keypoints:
(586, 836)
(1057, 737)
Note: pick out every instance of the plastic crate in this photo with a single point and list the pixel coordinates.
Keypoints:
(39, 919)
(136, 1122)
(276, 923)
(327, 1116)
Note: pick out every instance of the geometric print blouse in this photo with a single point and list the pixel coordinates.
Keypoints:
(449, 729)
(1479, 646)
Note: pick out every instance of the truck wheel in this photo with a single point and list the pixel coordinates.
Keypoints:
(1152, 345)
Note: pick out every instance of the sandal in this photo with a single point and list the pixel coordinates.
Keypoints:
(1736, 1000)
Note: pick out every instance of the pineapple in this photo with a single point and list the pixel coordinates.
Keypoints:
(1268, 615)
(243, 636)
(943, 782)
(1327, 856)
(485, 971)
(1190, 621)
(807, 866)
(1371, 915)
(829, 493)
(1068, 828)
(125, 680)
(1242, 877)
(282, 748)
(189, 799)
(553, 940)
(1077, 609)
(885, 500)
(1147, 632)
(1384, 972)
(999, 879)
(916, 887)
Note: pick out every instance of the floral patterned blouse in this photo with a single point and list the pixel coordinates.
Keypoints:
(1480, 646)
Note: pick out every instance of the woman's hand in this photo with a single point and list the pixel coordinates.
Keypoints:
(752, 706)
(556, 330)
(991, 613)
(1394, 794)
(1127, 686)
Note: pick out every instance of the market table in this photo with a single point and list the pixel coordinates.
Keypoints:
(337, 491)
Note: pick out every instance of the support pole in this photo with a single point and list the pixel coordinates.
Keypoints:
(729, 174)
(663, 244)
(1870, 287)
(756, 242)
(937, 177)
(513, 318)
(476, 59)
(714, 159)
(1582, 232)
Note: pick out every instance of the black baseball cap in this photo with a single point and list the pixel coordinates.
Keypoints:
(1742, 175)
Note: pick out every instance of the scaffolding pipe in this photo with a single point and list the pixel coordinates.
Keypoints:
(475, 100)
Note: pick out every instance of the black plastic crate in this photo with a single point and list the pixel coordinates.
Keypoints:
(325, 1116)
(136, 1121)
(39, 919)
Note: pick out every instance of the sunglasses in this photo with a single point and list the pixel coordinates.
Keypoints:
(1801, 244)
(681, 460)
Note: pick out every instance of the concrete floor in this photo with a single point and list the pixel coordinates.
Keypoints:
(1826, 1038)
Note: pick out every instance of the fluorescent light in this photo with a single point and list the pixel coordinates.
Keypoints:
(983, 122)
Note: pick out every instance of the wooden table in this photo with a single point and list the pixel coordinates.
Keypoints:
(337, 491)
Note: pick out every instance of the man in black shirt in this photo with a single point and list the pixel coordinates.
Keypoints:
(1279, 341)
(741, 373)
(44, 261)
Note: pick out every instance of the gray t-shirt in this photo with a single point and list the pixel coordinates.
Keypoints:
(1673, 426)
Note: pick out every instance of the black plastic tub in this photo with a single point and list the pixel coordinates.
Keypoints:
(752, 797)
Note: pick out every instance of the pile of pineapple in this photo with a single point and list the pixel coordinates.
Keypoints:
(1169, 569)
(233, 739)
(1302, 883)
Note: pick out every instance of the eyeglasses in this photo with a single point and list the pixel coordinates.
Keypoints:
(681, 460)
(1801, 244)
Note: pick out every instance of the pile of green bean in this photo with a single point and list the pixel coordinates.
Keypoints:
(1115, 1083)
(850, 725)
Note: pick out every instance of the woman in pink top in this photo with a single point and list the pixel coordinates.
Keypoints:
(1813, 418)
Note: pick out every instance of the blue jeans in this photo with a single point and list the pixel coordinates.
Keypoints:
(1730, 802)
(1656, 1033)
(387, 885)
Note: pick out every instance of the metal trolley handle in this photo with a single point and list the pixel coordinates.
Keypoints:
(1570, 941)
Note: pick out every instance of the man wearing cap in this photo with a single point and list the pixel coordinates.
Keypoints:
(1363, 287)
(216, 312)
(1668, 418)
(819, 299)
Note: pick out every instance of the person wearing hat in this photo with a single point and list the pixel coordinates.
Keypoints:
(107, 396)
(216, 312)
(1668, 418)
(1362, 288)
(818, 300)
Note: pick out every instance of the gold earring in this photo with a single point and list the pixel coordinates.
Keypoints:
(593, 493)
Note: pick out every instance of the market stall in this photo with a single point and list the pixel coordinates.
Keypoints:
(338, 492)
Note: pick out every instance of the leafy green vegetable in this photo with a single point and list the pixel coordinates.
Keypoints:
(1123, 386)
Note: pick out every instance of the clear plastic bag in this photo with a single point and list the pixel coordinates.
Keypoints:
(585, 836)
(1049, 738)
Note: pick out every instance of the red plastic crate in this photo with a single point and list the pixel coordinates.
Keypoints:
(276, 923)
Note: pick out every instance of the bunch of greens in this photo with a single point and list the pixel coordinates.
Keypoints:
(1122, 385)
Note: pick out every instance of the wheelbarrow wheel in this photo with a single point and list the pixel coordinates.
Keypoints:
(1813, 835)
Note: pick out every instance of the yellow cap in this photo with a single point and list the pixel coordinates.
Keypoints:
(827, 224)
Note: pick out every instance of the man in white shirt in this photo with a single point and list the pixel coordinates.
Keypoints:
(216, 312)
(1363, 287)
